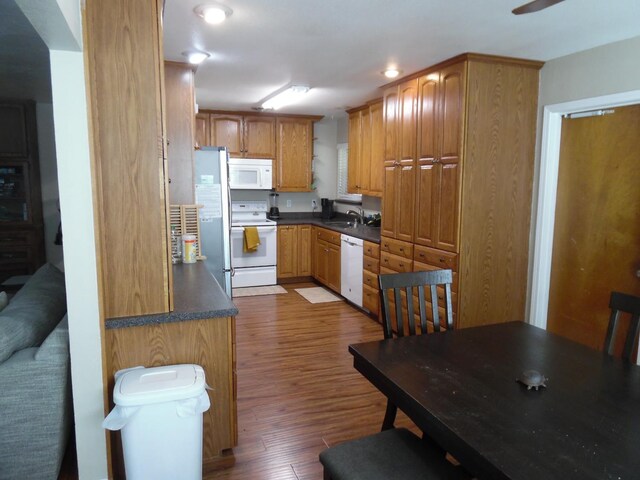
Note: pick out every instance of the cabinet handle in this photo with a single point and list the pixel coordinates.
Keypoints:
(401, 265)
(401, 249)
(442, 260)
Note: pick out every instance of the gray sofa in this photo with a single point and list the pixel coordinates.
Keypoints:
(35, 380)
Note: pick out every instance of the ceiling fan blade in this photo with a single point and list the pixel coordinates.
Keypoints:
(535, 6)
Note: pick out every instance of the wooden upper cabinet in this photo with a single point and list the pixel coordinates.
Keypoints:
(364, 167)
(259, 138)
(125, 86)
(390, 115)
(376, 179)
(245, 136)
(178, 81)
(355, 151)
(294, 153)
(226, 131)
(400, 132)
(202, 130)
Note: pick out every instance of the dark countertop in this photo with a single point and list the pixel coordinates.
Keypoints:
(370, 234)
(196, 295)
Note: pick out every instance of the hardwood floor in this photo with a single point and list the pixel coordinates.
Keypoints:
(297, 389)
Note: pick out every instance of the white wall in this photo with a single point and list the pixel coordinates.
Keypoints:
(49, 182)
(605, 70)
(76, 202)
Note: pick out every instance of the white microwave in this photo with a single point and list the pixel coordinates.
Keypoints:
(250, 174)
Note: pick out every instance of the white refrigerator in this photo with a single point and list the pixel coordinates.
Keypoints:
(211, 179)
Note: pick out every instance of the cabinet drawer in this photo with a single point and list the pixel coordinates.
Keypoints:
(396, 263)
(371, 249)
(370, 279)
(328, 236)
(423, 267)
(371, 265)
(370, 299)
(397, 247)
(435, 257)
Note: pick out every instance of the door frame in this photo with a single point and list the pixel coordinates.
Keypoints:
(540, 276)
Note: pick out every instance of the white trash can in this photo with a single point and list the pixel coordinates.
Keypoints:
(160, 413)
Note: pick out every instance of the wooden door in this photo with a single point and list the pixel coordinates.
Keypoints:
(596, 245)
(376, 182)
(333, 267)
(259, 137)
(427, 173)
(451, 136)
(202, 130)
(226, 131)
(287, 261)
(295, 144)
(353, 163)
(388, 223)
(304, 250)
(364, 168)
(321, 255)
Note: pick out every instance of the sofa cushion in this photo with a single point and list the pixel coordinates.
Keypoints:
(33, 312)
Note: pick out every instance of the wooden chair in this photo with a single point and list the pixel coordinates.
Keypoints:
(402, 287)
(620, 303)
(395, 454)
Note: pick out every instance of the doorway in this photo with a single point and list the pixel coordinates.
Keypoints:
(596, 244)
(540, 275)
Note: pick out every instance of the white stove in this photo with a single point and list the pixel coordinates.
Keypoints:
(258, 267)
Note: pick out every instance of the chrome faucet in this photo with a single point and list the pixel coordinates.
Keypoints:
(359, 215)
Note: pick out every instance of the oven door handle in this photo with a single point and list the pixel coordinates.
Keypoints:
(260, 229)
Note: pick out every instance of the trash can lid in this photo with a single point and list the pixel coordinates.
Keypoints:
(141, 386)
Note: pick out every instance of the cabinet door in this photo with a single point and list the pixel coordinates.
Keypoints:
(304, 250)
(295, 144)
(376, 179)
(364, 168)
(226, 131)
(388, 224)
(287, 261)
(259, 137)
(202, 130)
(390, 114)
(321, 260)
(407, 126)
(178, 81)
(451, 111)
(355, 145)
(427, 173)
(333, 267)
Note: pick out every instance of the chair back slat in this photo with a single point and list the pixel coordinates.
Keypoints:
(620, 303)
(403, 284)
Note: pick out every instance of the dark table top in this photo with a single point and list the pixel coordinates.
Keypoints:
(460, 388)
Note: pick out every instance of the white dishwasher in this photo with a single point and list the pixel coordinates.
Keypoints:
(351, 268)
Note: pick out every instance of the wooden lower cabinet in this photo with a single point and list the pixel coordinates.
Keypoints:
(209, 343)
(294, 247)
(371, 268)
(326, 257)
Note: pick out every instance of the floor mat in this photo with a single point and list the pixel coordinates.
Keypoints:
(255, 291)
(317, 295)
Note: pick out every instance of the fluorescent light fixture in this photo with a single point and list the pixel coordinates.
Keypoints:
(213, 13)
(391, 72)
(195, 57)
(291, 95)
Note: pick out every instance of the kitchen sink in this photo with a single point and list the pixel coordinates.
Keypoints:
(341, 224)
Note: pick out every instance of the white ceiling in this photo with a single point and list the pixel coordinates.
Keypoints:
(339, 47)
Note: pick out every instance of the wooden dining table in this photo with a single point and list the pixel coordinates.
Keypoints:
(460, 388)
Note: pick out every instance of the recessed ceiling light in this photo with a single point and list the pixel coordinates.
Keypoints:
(391, 72)
(213, 13)
(195, 57)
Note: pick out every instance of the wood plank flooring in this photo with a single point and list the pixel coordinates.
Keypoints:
(297, 389)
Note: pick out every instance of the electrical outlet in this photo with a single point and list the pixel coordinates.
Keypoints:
(314, 204)
(288, 203)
